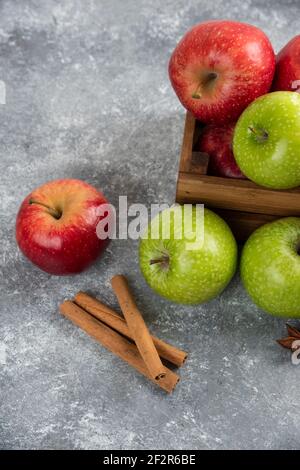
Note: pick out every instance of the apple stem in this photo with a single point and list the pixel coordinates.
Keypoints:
(163, 260)
(260, 134)
(197, 95)
(54, 212)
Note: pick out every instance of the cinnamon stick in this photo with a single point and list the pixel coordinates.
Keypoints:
(116, 343)
(115, 321)
(137, 327)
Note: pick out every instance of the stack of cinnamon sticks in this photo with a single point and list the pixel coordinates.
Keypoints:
(127, 337)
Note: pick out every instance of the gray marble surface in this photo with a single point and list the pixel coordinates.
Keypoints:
(88, 97)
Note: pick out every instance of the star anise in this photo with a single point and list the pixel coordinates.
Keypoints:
(293, 335)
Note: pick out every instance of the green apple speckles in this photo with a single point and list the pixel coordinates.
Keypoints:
(266, 143)
(270, 267)
(189, 276)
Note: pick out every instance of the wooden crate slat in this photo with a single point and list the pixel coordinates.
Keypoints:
(243, 224)
(234, 194)
(187, 144)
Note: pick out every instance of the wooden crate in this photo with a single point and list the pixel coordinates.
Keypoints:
(243, 204)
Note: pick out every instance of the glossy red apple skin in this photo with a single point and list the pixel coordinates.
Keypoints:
(67, 245)
(287, 72)
(241, 58)
(217, 142)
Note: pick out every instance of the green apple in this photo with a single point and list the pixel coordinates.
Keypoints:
(270, 267)
(183, 269)
(266, 141)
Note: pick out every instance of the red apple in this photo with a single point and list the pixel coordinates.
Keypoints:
(217, 142)
(56, 226)
(287, 73)
(219, 67)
